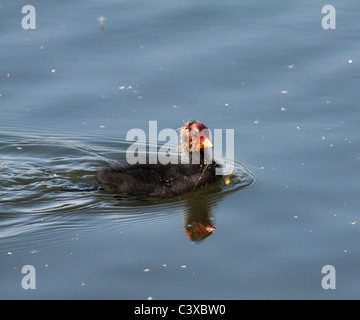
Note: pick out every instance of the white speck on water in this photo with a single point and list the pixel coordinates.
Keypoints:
(164, 265)
(183, 266)
(256, 121)
(283, 109)
(291, 66)
(19, 148)
(146, 270)
(149, 298)
(53, 70)
(101, 19)
(226, 104)
(9, 252)
(122, 88)
(284, 91)
(103, 127)
(298, 127)
(296, 217)
(350, 61)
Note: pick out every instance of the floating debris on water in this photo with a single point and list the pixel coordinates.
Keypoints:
(227, 180)
(101, 21)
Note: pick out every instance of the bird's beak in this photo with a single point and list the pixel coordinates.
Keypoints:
(207, 143)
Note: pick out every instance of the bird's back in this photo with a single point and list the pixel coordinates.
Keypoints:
(158, 180)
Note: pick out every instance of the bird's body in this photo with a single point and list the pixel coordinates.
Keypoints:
(166, 180)
(158, 180)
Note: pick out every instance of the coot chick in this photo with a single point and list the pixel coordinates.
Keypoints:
(167, 180)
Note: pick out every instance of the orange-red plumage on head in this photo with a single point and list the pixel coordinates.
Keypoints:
(196, 135)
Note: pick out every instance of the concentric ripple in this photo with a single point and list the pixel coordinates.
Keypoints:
(33, 168)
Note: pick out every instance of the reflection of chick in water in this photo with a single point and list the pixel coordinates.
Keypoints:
(198, 220)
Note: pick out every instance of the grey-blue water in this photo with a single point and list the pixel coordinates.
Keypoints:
(72, 88)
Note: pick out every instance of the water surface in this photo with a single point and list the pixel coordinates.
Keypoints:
(70, 91)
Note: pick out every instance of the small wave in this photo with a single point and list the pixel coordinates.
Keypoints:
(36, 167)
